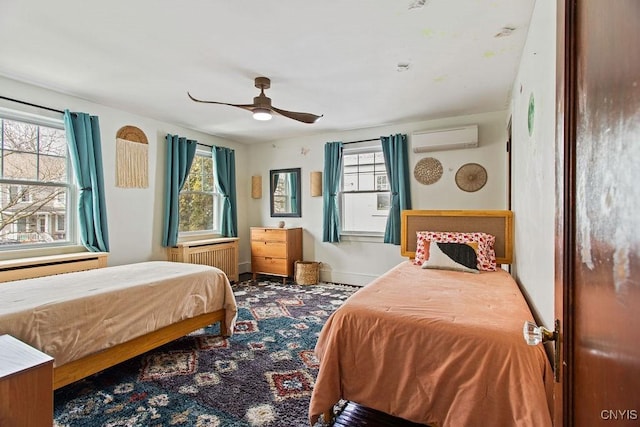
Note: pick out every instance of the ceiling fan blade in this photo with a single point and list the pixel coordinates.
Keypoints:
(248, 107)
(301, 117)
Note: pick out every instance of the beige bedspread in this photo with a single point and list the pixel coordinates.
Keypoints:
(435, 347)
(71, 315)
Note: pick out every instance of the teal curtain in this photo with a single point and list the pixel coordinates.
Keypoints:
(293, 191)
(396, 160)
(331, 183)
(180, 154)
(83, 138)
(224, 162)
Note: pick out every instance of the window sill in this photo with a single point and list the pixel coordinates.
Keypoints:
(20, 253)
(362, 237)
(204, 240)
(189, 237)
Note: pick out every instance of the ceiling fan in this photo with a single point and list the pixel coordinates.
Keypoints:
(262, 108)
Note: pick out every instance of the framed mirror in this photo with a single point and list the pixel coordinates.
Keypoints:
(284, 192)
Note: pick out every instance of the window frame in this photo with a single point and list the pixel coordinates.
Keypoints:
(361, 148)
(217, 204)
(70, 186)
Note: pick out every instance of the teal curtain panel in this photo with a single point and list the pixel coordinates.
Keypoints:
(293, 190)
(331, 183)
(396, 160)
(180, 154)
(224, 161)
(83, 138)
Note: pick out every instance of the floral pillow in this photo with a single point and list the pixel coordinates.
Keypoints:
(486, 254)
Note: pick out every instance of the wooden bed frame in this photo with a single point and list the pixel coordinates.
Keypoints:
(496, 222)
(96, 362)
(70, 372)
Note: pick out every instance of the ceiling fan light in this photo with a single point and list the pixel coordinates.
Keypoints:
(261, 114)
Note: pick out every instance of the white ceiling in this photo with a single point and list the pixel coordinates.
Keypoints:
(336, 58)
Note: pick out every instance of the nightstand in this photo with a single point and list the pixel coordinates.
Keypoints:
(26, 385)
(275, 250)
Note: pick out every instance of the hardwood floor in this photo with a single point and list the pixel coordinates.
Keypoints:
(355, 415)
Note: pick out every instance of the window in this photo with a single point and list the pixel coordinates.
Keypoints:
(60, 223)
(365, 190)
(35, 182)
(42, 224)
(200, 204)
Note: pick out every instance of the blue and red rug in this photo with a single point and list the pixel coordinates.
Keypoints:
(261, 376)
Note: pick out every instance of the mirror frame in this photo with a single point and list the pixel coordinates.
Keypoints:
(298, 175)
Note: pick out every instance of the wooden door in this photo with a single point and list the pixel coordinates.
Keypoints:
(598, 221)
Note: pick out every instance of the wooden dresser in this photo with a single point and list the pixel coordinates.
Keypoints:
(275, 251)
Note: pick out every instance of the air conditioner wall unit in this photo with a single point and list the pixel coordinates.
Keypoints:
(445, 139)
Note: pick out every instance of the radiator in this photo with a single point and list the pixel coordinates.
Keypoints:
(27, 268)
(221, 253)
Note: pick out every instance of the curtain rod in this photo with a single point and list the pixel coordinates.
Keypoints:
(32, 105)
(361, 140)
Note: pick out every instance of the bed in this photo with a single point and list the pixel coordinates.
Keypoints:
(435, 346)
(91, 320)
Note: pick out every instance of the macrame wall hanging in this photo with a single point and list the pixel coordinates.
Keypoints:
(132, 158)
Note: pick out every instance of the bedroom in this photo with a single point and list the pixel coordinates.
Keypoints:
(135, 231)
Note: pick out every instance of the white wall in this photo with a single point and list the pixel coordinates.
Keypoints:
(359, 260)
(533, 191)
(134, 216)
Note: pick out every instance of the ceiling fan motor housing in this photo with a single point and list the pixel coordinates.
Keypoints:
(262, 83)
(262, 101)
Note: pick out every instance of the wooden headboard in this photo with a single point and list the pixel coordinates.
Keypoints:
(496, 222)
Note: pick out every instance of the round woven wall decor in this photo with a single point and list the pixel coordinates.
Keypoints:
(471, 177)
(428, 170)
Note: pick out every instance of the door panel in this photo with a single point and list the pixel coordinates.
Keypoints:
(602, 285)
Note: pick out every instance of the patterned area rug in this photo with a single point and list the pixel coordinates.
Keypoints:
(262, 376)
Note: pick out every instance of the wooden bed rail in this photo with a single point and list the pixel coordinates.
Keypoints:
(96, 362)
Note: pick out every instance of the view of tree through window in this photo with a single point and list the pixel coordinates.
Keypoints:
(199, 203)
(282, 195)
(34, 184)
(365, 192)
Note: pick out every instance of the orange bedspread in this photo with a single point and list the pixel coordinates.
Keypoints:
(435, 347)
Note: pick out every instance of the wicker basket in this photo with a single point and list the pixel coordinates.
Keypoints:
(307, 272)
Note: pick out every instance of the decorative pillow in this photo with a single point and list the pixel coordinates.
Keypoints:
(485, 253)
(452, 256)
(422, 248)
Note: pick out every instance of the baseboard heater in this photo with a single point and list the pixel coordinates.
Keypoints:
(27, 268)
(221, 253)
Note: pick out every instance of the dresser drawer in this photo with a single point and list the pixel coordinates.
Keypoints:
(269, 234)
(269, 249)
(269, 265)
